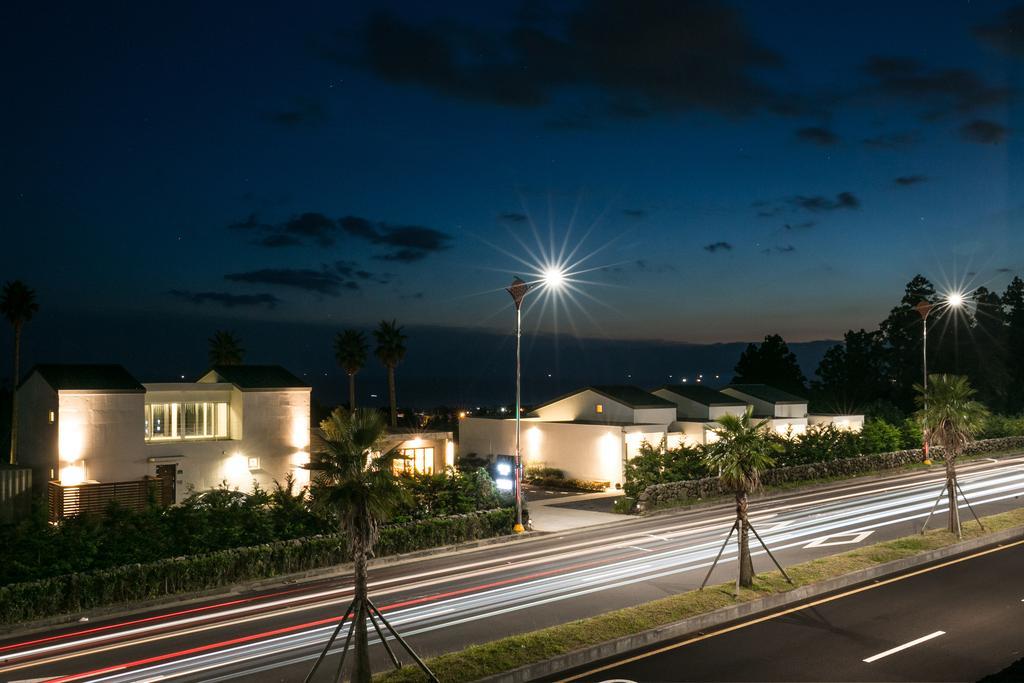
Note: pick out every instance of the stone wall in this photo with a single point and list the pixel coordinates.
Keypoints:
(682, 492)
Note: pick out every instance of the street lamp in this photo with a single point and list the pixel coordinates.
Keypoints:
(518, 290)
(924, 307)
(552, 277)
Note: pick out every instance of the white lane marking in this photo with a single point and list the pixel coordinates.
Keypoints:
(851, 538)
(904, 646)
(636, 547)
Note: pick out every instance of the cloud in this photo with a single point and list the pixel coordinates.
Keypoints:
(892, 140)
(717, 246)
(226, 299)
(818, 203)
(513, 217)
(1006, 33)
(323, 281)
(661, 56)
(817, 135)
(406, 243)
(983, 132)
(313, 226)
(409, 242)
(304, 113)
(936, 92)
(634, 213)
(1004, 270)
(794, 227)
(785, 249)
(908, 180)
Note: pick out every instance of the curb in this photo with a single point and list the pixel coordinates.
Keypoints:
(703, 622)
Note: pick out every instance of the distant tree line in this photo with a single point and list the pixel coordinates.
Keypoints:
(874, 371)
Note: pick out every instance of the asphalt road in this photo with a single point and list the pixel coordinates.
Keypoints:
(446, 602)
(959, 620)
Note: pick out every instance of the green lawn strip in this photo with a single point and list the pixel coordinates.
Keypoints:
(802, 483)
(488, 659)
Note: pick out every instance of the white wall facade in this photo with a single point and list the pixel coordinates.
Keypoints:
(853, 423)
(584, 406)
(582, 451)
(101, 436)
(37, 434)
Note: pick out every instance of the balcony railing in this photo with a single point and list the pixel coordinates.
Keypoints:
(68, 501)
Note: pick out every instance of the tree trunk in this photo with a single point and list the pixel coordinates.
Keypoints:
(361, 672)
(951, 491)
(14, 394)
(746, 579)
(351, 391)
(391, 395)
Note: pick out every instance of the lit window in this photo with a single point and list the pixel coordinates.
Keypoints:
(418, 460)
(53, 417)
(192, 420)
(599, 408)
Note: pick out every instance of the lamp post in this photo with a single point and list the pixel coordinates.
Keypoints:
(518, 290)
(924, 307)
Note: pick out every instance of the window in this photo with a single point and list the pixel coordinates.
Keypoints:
(254, 463)
(190, 420)
(599, 408)
(419, 460)
(52, 417)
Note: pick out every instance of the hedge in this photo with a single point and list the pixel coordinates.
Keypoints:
(134, 583)
(680, 492)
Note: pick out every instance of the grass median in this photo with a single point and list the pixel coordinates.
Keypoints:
(487, 659)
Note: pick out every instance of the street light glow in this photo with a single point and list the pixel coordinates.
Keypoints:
(955, 299)
(553, 277)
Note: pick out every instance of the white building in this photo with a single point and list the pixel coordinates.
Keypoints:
(97, 424)
(590, 433)
(787, 413)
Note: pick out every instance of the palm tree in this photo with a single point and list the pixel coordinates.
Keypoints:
(390, 350)
(950, 417)
(18, 304)
(225, 349)
(350, 351)
(741, 452)
(354, 480)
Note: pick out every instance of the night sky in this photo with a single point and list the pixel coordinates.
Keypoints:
(723, 171)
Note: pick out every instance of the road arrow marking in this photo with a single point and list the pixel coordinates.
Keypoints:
(848, 538)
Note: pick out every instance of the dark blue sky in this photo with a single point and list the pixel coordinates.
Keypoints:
(740, 169)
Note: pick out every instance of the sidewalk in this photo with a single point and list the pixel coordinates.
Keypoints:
(552, 514)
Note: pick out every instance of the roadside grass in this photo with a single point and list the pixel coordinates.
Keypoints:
(693, 503)
(487, 659)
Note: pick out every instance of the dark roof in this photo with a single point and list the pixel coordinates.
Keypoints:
(88, 377)
(258, 377)
(703, 395)
(767, 393)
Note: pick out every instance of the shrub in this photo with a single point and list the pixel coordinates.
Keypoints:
(658, 464)
(878, 436)
(571, 484)
(131, 583)
(820, 443)
(1000, 426)
(540, 472)
(448, 493)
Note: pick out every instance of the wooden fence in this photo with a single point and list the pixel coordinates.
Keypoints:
(68, 501)
(15, 492)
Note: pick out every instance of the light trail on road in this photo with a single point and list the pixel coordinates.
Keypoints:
(449, 600)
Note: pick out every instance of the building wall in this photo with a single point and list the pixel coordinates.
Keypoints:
(101, 436)
(37, 436)
(582, 406)
(790, 410)
(582, 451)
(716, 412)
(763, 408)
(852, 422)
(684, 407)
(654, 415)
